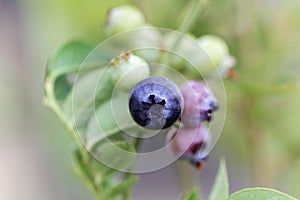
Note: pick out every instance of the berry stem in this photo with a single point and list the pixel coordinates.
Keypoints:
(51, 102)
(197, 9)
(138, 141)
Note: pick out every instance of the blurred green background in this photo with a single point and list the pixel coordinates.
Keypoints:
(261, 137)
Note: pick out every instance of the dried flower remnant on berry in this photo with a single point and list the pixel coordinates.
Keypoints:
(129, 70)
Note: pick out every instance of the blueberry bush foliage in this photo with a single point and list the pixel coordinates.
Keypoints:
(73, 72)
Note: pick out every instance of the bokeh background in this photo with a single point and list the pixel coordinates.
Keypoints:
(261, 137)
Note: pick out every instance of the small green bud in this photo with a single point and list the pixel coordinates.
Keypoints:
(129, 70)
(123, 18)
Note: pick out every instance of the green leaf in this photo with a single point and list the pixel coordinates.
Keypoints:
(76, 102)
(102, 171)
(116, 155)
(61, 89)
(67, 60)
(82, 92)
(69, 57)
(193, 195)
(82, 170)
(220, 188)
(86, 95)
(110, 118)
(260, 194)
(123, 187)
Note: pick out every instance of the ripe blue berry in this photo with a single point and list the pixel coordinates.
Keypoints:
(155, 103)
(191, 144)
(199, 103)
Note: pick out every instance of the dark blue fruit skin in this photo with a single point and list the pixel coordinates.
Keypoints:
(155, 103)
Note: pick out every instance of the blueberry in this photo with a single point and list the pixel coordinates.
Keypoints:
(155, 103)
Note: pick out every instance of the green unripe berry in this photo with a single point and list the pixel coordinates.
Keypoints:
(216, 49)
(147, 41)
(182, 49)
(123, 18)
(129, 70)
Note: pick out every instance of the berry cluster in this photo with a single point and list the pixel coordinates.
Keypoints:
(157, 103)
(192, 139)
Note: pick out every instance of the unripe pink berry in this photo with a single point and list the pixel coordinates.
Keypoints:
(199, 103)
(191, 144)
